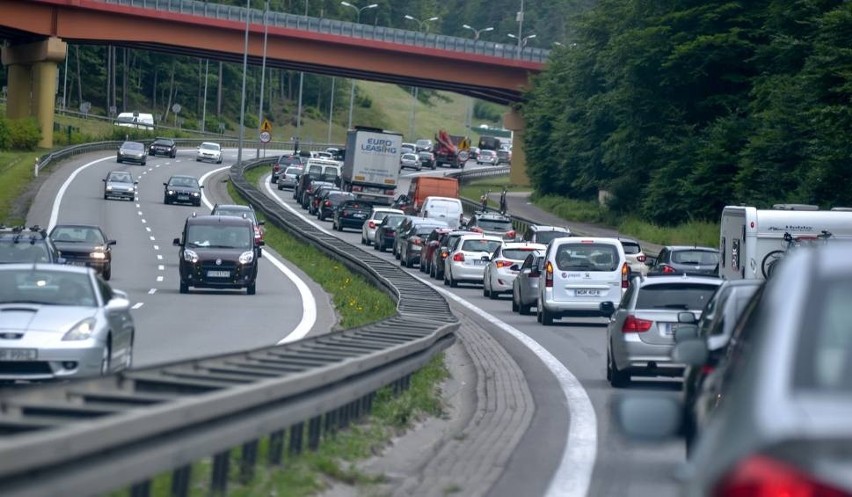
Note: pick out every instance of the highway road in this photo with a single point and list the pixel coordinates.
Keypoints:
(552, 456)
(171, 326)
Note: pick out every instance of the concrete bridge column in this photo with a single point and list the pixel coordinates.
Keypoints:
(514, 121)
(32, 89)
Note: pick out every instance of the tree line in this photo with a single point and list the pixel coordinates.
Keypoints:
(678, 108)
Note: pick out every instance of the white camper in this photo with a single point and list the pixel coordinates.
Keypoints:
(135, 120)
(752, 239)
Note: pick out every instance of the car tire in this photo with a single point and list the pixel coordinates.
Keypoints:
(280, 188)
(198, 203)
(118, 160)
(546, 317)
(128, 356)
(219, 161)
(251, 289)
(106, 197)
(107, 274)
(184, 288)
(492, 294)
(106, 357)
(616, 377)
(524, 309)
(453, 282)
(173, 155)
(485, 292)
(197, 159)
(515, 306)
(402, 261)
(434, 167)
(166, 200)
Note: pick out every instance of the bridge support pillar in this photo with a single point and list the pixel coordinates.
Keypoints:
(514, 121)
(33, 81)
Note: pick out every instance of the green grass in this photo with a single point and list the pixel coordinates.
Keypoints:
(475, 189)
(16, 173)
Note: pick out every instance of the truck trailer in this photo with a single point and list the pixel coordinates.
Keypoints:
(371, 166)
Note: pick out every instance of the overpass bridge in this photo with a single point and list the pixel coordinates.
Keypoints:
(36, 32)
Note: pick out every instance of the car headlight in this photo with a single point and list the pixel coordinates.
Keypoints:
(109, 188)
(81, 331)
(195, 194)
(97, 255)
(247, 257)
(190, 256)
(171, 192)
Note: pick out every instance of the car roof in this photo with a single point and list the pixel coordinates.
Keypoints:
(478, 236)
(210, 143)
(513, 245)
(183, 176)
(492, 215)
(216, 219)
(233, 207)
(546, 227)
(691, 247)
(46, 266)
(70, 225)
(585, 239)
(679, 278)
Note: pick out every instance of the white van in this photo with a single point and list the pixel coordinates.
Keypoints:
(751, 240)
(327, 170)
(446, 209)
(135, 120)
(578, 274)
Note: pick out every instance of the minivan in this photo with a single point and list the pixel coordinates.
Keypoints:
(579, 273)
(445, 209)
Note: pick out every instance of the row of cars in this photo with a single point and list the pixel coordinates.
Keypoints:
(134, 151)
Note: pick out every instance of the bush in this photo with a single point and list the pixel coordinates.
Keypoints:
(20, 134)
(5, 142)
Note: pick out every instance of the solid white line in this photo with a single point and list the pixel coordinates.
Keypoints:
(57, 203)
(137, 305)
(152, 291)
(309, 305)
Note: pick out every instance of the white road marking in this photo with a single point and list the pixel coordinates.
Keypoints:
(57, 203)
(148, 229)
(144, 221)
(137, 305)
(137, 205)
(159, 279)
(152, 291)
(152, 238)
(159, 257)
(161, 268)
(139, 212)
(156, 247)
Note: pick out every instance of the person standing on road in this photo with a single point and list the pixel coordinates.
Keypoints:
(503, 201)
(484, 201)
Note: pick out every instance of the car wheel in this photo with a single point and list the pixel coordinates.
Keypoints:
(219, 161)
(144, 163)
(198, 203)
(118, 160)
(280, 188)
(617, 378)
(106, 197)
(174, 154)
(166, 200)
(105, 358)
(107, 274)
(184, 288)
(485, 292)
(453, 282)
(546, 317)
(515, 306)
(128, 354)
(251, 289)
(524, 309)
(402, 261)
(492, 294)
(197, 159)
(434, 167)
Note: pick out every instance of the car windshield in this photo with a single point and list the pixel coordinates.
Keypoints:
(185, 182)
(293, 170)
(236, 212)
(133, 146)
(480, 245)
(409, 157)
(210, 146)
(695, 257)
(824, 354)
(587, 257)
(393, 220)
(494, 224)
(290, 161)
(546, 236)
(678, 296)
(120, 178)
(517, 254)
(631, 248)
(219, 236)
(167, 143)
(35, 286)
(22, 251)
(76, 234)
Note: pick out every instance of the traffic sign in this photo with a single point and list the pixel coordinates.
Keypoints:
(266, 126)
(265, 136)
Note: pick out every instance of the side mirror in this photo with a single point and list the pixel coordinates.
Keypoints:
(61, 260)
(165, 184)
(691, 352)
(104, 180)
(200, 186)
(648, 417)
(135, 182)
(111, 242)
(117, 303)
(261, 243)
(686, 317)
(176, 242)
(261, 223)
(686, 332)
(120, 294)
(607, 308)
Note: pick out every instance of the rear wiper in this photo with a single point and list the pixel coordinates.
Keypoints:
(672, 306)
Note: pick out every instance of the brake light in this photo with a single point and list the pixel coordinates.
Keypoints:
(667, 269)
(548, 275)
(640, 258)
(635, 325)
(625, 275)
(501, 263)
(416, 241)
(707, 369)
(276, 168)
(328, 203)
(458, 257)
(510, 234)
(476, 229)
(371, 225)
(760, 476)
(444, 255)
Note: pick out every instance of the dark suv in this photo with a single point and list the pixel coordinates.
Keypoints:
(492, 223)
(218, 252)
(20, 244)
(163, 146)
(281, 165)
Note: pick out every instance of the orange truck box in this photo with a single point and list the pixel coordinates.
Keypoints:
(425, 186)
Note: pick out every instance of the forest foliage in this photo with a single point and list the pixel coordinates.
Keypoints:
(678, 108)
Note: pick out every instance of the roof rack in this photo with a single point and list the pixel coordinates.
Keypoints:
(795, 207)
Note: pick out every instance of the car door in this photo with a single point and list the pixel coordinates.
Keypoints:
(120, 322)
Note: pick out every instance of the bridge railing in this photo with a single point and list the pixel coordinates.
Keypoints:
(343, 28)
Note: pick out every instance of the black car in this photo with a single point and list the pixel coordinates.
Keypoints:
(685, 259)
(318, 190)
(180, 188)
(163, 146)
(20, 244)
(351, 214)
(281, 165)
(218, 252)
(84, 245)
(427, 159)
(328, 203)
(131, 152)
(386, 231)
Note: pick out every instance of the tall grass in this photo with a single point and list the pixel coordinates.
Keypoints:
(16, 173)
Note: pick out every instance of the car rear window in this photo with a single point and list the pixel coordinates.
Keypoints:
(824, 361)
(517, 254)
(695, 257)
(546, 236)
(293, 170)
(480, 245)
(631, 248)
(678, 296)
(494, 224)
(23, 251)
(587, 257)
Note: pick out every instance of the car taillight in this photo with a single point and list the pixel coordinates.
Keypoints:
(444, 255)
(548, 275)
(458, 257)
(632, 324)
(707, 369)
(500, 263)
(371, 225)
(476, 229)
(760, 476)
(640, 258)
(276, 168)
(625, 275)
(416, 241)
(511, 234)
(667, 269)
(327, 203)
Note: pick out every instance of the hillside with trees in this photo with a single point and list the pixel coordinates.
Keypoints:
(679, 108)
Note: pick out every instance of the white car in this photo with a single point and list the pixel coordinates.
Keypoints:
(505, 263)
(209, 152)
(410, 161)
(468, 257)
(368, 230)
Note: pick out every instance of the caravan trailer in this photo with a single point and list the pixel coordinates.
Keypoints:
(752, 240)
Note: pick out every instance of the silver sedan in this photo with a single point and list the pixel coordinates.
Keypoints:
(61, 322)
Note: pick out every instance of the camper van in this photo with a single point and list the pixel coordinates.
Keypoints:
(753, 240)
(135, 120)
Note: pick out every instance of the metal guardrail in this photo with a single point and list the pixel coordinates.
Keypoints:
(88, 437)
(343, 28)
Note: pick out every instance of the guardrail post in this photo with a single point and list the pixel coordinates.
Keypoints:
(141, 489)
(343, 417)
(314, 432)
(247, 461)
(276, 448)
(330, 422)
(296, 432)
(219, 475)
(180, 481)
(35, 168)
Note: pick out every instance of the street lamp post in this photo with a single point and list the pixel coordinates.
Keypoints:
(520, 19)
(262, 74)
(420, 25)
(243, 94)
(301, 85)
(522, 43)
(352, 86)
(476, 33)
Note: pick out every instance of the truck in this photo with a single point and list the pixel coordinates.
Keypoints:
(371, 165)
(426, 186)
(752, 241)
(451, 149)
(489, 143)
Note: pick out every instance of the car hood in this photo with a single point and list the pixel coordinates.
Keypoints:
(131, 151)
(22, 318)
(183, 189)
(213, 253)
(77, 247)
(119, 185)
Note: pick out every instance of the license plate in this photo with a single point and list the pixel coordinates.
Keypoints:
(359, 216)
(667, 328)
(218, 274)
(18, 354)
(183, 197)
(587, 292)
(478, 263)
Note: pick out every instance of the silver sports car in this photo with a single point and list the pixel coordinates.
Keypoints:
(61, 321)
